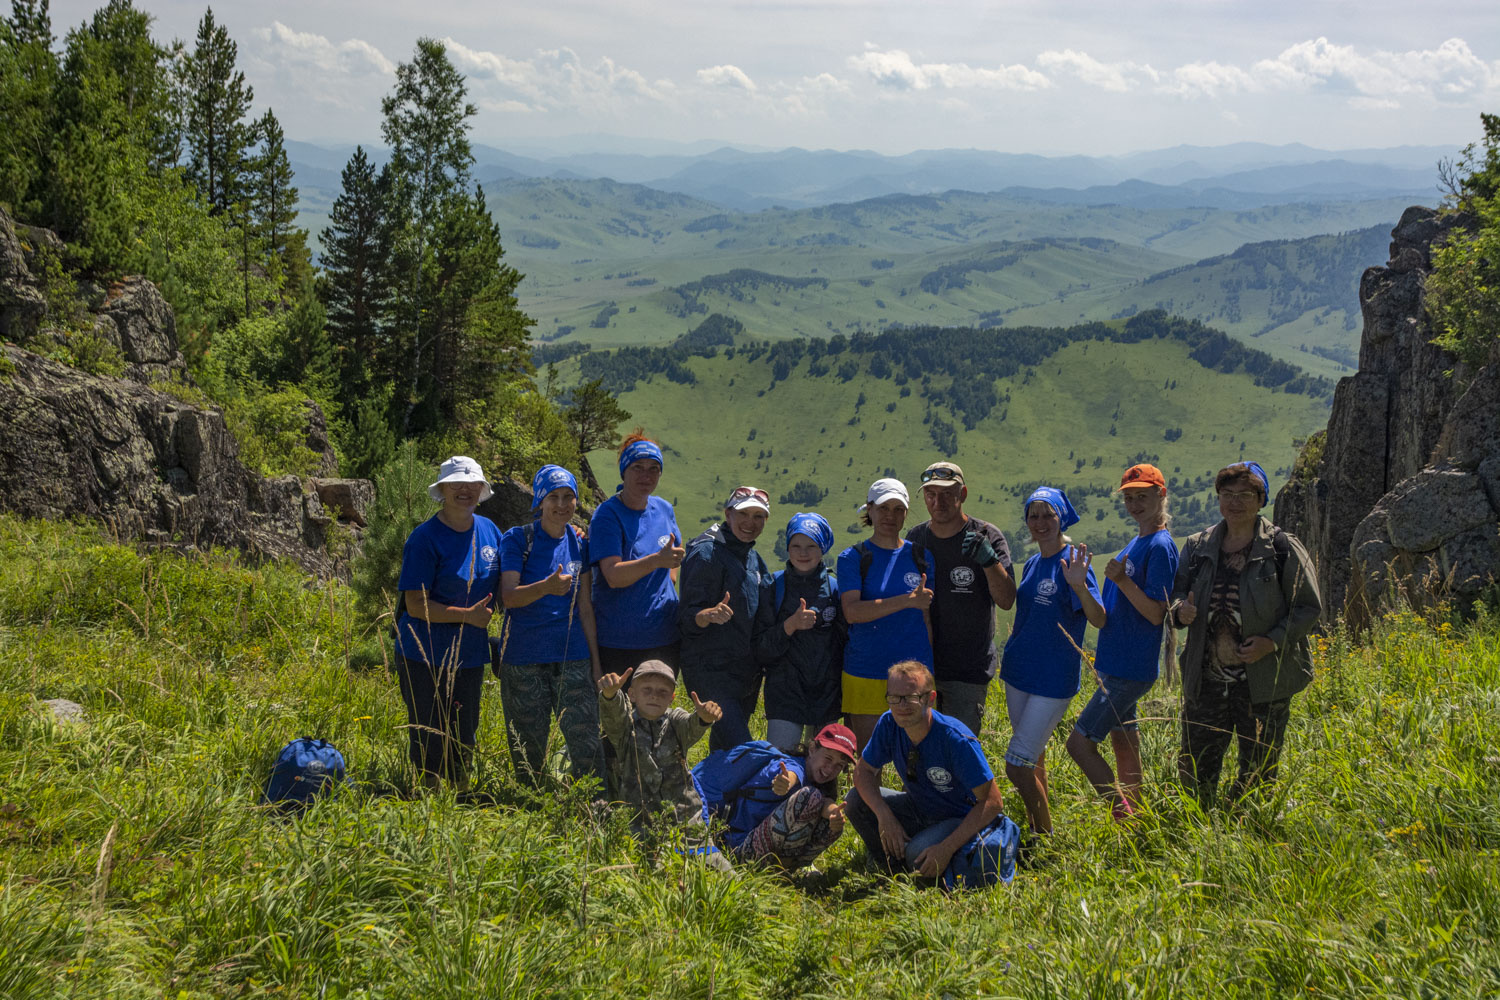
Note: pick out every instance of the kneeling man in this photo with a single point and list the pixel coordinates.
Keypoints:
(950, 793)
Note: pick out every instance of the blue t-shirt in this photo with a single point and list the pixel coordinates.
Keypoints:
(644, 614)
(874, 646)
(546, 630)
(1129, 645)
(949, 765)
(455, 568)
(1038, 658)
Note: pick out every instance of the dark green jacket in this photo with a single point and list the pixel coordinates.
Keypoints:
(1282, 606)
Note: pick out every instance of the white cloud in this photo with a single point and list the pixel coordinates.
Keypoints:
(553, 79)
(896, 70)
(352, 56)
(1207, 79)
(1118, 77)
(726, 76)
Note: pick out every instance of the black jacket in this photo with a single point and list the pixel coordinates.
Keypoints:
(803, 670)
(716, 561)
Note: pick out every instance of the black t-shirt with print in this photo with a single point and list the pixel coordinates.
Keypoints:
(963, 613)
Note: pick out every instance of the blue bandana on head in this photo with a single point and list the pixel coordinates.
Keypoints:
(1260, 475)
(637, 451)
(1058, 501)
(549, 478)
(813, 526)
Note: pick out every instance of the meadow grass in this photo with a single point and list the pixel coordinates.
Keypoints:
(137, 862)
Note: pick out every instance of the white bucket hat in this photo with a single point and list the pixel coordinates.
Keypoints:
(460, 469)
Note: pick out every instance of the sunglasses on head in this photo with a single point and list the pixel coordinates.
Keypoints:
(741, 492)
(941, 472)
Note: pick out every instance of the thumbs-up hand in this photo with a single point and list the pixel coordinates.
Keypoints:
(1187, 611)
(709, 712)
(558, 583)
(1115, 568)
(833, 812)
(803, 618)
(479, 614)
(670, 555)
(784, 781)
(921, 597)
(610, 684)
(717, 614)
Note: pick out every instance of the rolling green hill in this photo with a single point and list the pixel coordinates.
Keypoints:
(1014, 407)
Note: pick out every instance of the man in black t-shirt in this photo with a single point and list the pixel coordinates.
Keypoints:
(968, 564)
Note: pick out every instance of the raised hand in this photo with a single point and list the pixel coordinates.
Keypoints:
(1187, 611)
(1115, 568)
(558, 583)
(479, 614)
(1075, 566)
(977, 549)
(670, 555)
(921, 597)
(803, 618)
(833, 812)
(784, 781)
(718, 614)
(709, 712)
(610, 684)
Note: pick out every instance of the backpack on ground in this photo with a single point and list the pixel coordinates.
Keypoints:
(988, 858)
(304, 769)
(720, 777)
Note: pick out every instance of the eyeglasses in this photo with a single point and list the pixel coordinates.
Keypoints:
(1239, 496)
(915, 700)
(745, 492)
(941, 472)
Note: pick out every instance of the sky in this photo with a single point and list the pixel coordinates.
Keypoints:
(1032, 76)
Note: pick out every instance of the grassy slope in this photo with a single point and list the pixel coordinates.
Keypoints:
(1065, 407)
(1370, 874)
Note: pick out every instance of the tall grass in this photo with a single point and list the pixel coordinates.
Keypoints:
(1370, 872)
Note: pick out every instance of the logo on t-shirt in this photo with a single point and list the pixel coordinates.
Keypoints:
(1129, 566)
(940, 778)
(662, 542)
(1047, 587)
(488, 554)
(829, 613)
(571, 567)
(962, 576)
(913, 580)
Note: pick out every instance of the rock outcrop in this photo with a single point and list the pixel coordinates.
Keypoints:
(1404, 503)
(124, 451)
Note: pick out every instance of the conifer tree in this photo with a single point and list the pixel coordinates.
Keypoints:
(355, 289)
(218, 100)
(28, 74)
(273, 209)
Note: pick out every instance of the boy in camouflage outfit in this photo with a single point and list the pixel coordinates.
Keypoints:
(651, 740)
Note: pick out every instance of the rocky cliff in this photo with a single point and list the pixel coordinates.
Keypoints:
(1404, 500)
(124, 451)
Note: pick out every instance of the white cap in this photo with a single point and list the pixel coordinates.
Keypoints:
(460, 469)
(748, 497)
(882, 490)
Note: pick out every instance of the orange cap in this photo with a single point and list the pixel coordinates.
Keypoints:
(1142, 476)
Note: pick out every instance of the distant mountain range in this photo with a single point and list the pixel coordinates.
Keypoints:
(1239, 176)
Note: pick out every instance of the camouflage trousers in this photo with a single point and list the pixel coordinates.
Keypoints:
(793, 835)
(531, 694)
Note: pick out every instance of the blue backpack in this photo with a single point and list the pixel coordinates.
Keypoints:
(304, 769)
(988, 858)
(720, 777)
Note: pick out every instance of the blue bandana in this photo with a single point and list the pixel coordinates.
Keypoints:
(549, 478)
(813, 526)
(637, 451)
(1260, 474)
(1058, 501)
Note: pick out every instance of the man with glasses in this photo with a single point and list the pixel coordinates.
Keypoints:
(970, 563)
(720, 587)
(950, 795)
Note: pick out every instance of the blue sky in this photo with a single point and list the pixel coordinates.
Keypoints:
(1031, 76)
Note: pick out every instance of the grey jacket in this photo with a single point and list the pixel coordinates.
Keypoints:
(1283, 607)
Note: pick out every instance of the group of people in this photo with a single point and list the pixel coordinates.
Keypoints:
(886, 658)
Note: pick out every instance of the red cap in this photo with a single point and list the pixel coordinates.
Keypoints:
(838, 738)
(1142, 476)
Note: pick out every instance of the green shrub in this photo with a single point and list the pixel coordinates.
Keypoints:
(401, 503)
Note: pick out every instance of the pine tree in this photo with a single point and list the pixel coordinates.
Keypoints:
(273, 210)
(355, 289)
(218, 100)
(28, 74)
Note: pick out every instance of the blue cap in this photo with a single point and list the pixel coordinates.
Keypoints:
(638, 450)
(812, 525)
(549, 478)
(1057, 500)
(1260, 474)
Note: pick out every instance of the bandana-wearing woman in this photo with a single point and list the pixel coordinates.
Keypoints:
(1247, 593)
(1056, 598)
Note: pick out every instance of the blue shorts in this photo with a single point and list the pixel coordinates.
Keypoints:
(1111, 707)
